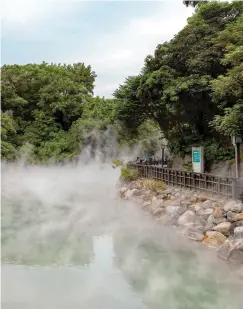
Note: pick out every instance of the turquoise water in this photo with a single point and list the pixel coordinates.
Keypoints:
(75, 245)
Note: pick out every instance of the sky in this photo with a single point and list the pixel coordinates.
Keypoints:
(114, 37)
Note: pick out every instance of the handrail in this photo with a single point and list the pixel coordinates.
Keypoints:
(230, 187)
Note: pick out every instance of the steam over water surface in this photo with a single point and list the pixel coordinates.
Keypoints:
(69, 242)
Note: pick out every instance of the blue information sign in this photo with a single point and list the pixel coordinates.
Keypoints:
(196, 156)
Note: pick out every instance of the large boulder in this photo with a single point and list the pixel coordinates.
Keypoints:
(209, 224)
(158, 211)
(207, 204)
(214, 239)
(173, 213)
(238, 231)
(128, 195)
(217, 213)
(232, 250)
(187, 218)
(195, 234)
(156, 203)
(233, 226)
(233, 206)
(223, 228)
(237, 217)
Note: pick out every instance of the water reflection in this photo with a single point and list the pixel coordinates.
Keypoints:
(97, 285)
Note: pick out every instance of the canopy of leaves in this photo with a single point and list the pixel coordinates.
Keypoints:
(49, 111)
(192, 85)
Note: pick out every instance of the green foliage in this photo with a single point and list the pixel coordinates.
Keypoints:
(118, 163)
(190, 90)
(129, 174)
(153, 185)
(192, 86)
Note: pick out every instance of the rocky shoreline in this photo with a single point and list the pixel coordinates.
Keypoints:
(213, 221)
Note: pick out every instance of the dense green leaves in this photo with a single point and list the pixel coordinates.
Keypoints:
(192, 85)
(190, 90)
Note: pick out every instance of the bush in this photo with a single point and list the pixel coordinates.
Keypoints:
(117, 163)
(129, 174)
(154, 185)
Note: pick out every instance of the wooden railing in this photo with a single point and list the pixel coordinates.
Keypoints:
(225, 186)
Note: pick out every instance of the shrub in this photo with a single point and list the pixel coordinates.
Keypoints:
(154, 185)
(129, 174)
(117, 163)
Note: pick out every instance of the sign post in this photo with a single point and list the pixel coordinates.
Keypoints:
(198, 159)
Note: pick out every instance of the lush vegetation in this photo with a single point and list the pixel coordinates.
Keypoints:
(193, 85)
(191, 90)
(129, 174)
(49, 111)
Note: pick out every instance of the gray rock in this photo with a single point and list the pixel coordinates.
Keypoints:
(229, 206)
(158, 211)
(223, 228)
(123, 190)
(137, 192)
(233, 226)
(237, 208)
(187, 218)
(129, 194)
(219, 220)
(156, 203)
(194, 235)
(207, 204)
(173, 213)
(225, 250)
(232, 250)
(229, 215)
(209, 223)
(238, 231)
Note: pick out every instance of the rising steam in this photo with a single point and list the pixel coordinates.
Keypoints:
(68, 241)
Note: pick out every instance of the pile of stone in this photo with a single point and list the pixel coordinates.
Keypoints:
(213, 221)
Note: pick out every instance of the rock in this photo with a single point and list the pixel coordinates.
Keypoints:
(194, 235)
(229, 215)
(187, 218)
(171, 203)
(123, 190)
(233, 226)
(229, 206)
(129, 193)
(137, 192)
(214, 239)
(237, 208)
(167, 191)
(237, 217)
(193, 199)
(196, 207)
(207, 204)
(204, 214)
(238, 231)
(216, 205)
(232, 250)
(219, 220)
(183, 197)
(223, 228)
(201, 198)
(217, 213)
(225, 250)
(156, 203)
(173, 213)
(209, 224)
(158, 211)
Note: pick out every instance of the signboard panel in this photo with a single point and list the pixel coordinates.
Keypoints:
(198, 159)
(196, 156)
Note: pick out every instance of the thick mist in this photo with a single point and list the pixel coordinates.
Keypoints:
(68, 241)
